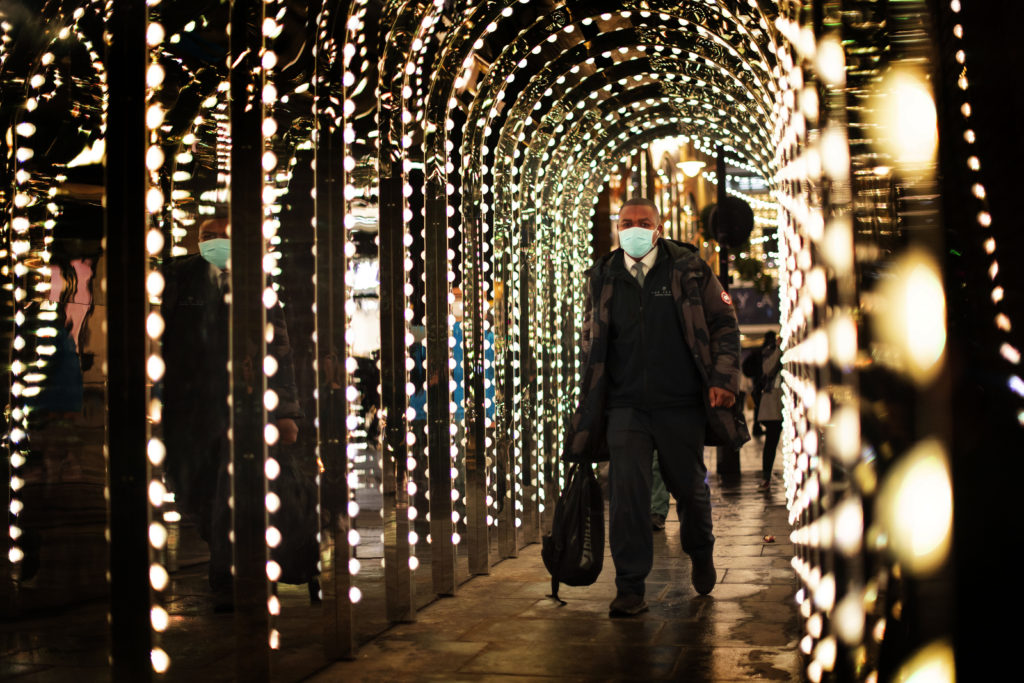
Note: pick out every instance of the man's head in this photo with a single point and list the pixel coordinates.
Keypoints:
(214, 245)
(639, 226)
(213, 228)
(769, 339)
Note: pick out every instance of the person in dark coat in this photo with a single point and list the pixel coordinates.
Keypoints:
(752, 369)
(660, 354)
(769, 412)
(196, 415)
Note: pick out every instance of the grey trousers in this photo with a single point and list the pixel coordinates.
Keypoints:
(633, 436)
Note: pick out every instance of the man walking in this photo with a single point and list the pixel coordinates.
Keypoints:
(660, 366)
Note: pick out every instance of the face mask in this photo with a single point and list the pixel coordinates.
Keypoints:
(636, 241)
(216, 251)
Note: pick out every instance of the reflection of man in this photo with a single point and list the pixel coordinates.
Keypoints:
(196, 415)
(660, 364)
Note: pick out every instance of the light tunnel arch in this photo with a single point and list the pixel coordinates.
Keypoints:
(488, 77)
(478, 127)
(493, 111)
(517, 176)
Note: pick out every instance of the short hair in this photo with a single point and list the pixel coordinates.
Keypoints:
(642, 201)
(217, 223)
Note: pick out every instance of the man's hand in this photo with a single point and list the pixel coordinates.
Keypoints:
(288, 430)
(721, 398)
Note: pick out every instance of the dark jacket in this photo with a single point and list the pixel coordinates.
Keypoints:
(645, 368)
(709, 326)
(195, 386)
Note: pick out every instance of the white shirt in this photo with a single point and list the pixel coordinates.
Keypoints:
(647, 261)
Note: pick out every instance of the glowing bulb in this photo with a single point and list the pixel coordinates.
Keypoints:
(915, 505)
(156, 451)
(154, 34)
(154, 242)
(157, 535)
(913, 320)
(831, 62)
(159, 659)
(155, 117)
(848, 619)
(155, 368)
(907, 119)
(933, 663)
(154, 75)
(156, 493)
(270, 400)
(271, 434)
(159, 618)
(272, 468)
(154, 158)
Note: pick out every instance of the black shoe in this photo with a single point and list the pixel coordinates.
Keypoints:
(703, 575)
(657, 521)
(627, 605)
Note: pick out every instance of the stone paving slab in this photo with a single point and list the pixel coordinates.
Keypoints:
(503, 627)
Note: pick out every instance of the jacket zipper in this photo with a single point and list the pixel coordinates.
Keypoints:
(643, 343)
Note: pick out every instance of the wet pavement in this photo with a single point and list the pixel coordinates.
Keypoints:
(502, 626)
(497, 627)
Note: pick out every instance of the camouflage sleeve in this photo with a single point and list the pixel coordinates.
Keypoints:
(587, 331)
(724, 332)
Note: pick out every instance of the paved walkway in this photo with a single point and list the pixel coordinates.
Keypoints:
(501, 626)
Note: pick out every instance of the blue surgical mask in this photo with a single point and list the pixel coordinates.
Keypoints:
(636, 241)
(216, 251)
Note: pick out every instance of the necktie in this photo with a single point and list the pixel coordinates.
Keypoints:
(638, 272)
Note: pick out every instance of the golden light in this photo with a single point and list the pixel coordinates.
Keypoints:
(848, 619)
(691, 169)
(915, 508)
(160, 660)
(911, 316)
(933, 663)
(159, 618)
(906, 118)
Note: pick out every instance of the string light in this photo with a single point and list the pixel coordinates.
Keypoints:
(1002, 321)
(157, 231)
(353, 35)
(28, 235)
(274, 185)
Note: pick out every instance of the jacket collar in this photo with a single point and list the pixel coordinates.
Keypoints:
(683, 255)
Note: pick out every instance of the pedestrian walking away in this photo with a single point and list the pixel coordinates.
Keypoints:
(769, 412)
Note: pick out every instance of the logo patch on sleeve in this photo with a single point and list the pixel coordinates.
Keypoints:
(726, 298)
